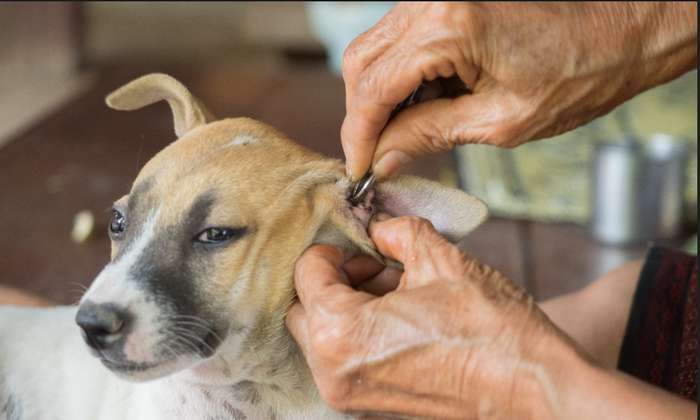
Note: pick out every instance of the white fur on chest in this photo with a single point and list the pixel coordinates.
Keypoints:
(184, 401)
(47, 373)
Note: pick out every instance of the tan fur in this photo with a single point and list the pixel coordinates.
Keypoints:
(188, 111)
(287, 196)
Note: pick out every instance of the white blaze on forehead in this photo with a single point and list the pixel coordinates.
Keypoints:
(241, 140)
(113, 285)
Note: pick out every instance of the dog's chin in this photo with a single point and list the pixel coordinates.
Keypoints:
(141, 372)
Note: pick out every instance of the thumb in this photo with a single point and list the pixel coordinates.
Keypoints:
(437, 126)
(414, 242)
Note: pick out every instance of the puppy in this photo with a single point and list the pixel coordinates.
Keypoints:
(187, 319)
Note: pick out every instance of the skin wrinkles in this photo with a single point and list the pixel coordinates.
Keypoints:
(541, 70)
(503, 332)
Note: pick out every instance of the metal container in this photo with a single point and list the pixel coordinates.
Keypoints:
(663, 186)
(637, 192)
(616, 181)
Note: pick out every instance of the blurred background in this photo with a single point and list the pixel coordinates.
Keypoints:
(564, 211)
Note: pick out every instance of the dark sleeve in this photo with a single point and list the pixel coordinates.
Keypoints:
(660, 345)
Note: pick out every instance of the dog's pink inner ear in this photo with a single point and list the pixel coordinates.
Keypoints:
(364, 210)
(454, 213)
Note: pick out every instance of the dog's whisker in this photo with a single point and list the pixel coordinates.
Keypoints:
(185, 347)
(188, 319)
(197, 326)
(195, 322)
(172, 352)
(205, 328)
(183, 333)
(197, 344)
(180, 337)
(78, 290)
(78, 285)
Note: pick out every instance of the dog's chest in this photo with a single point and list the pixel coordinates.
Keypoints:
(239, 402)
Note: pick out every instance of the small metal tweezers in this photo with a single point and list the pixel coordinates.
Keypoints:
(361, 188)
(365, 184)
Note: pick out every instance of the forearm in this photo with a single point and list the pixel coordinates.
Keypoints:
(596, 317)
(591, 392)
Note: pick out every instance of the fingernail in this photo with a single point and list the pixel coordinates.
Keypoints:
(352, 174)
(390, 163)
(353, 178)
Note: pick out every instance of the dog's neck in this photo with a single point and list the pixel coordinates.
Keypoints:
(276, 368)
(274, 379)
(272, 384)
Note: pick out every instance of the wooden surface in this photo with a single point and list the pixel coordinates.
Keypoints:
(86, 155)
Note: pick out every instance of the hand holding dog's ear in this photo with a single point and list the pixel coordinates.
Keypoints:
(452, 332)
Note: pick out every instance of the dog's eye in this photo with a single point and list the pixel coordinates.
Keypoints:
(118, 223)
(219, 235)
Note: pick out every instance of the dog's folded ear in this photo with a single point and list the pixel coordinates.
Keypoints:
(188, 111)
(453, 212)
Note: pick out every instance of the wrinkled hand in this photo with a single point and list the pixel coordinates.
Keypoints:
(448, 338)
(535, 70)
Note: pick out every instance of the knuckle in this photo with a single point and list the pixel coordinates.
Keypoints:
(302, 264)
(506, 136)
(418, 226)
(455, 135)
(353, 58)
(453, 15)
(330, 339)
(441, 136)
(443, 11)
(371, 89)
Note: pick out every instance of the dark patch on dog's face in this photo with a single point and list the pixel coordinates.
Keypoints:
(169, 269)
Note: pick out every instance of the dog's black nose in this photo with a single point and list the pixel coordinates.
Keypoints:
(101, 325)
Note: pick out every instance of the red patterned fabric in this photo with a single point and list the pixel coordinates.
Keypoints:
(661, 341)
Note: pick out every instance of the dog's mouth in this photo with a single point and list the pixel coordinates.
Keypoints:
(127, 366)
(174, 352)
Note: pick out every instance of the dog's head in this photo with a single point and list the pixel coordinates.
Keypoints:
(204, 245)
